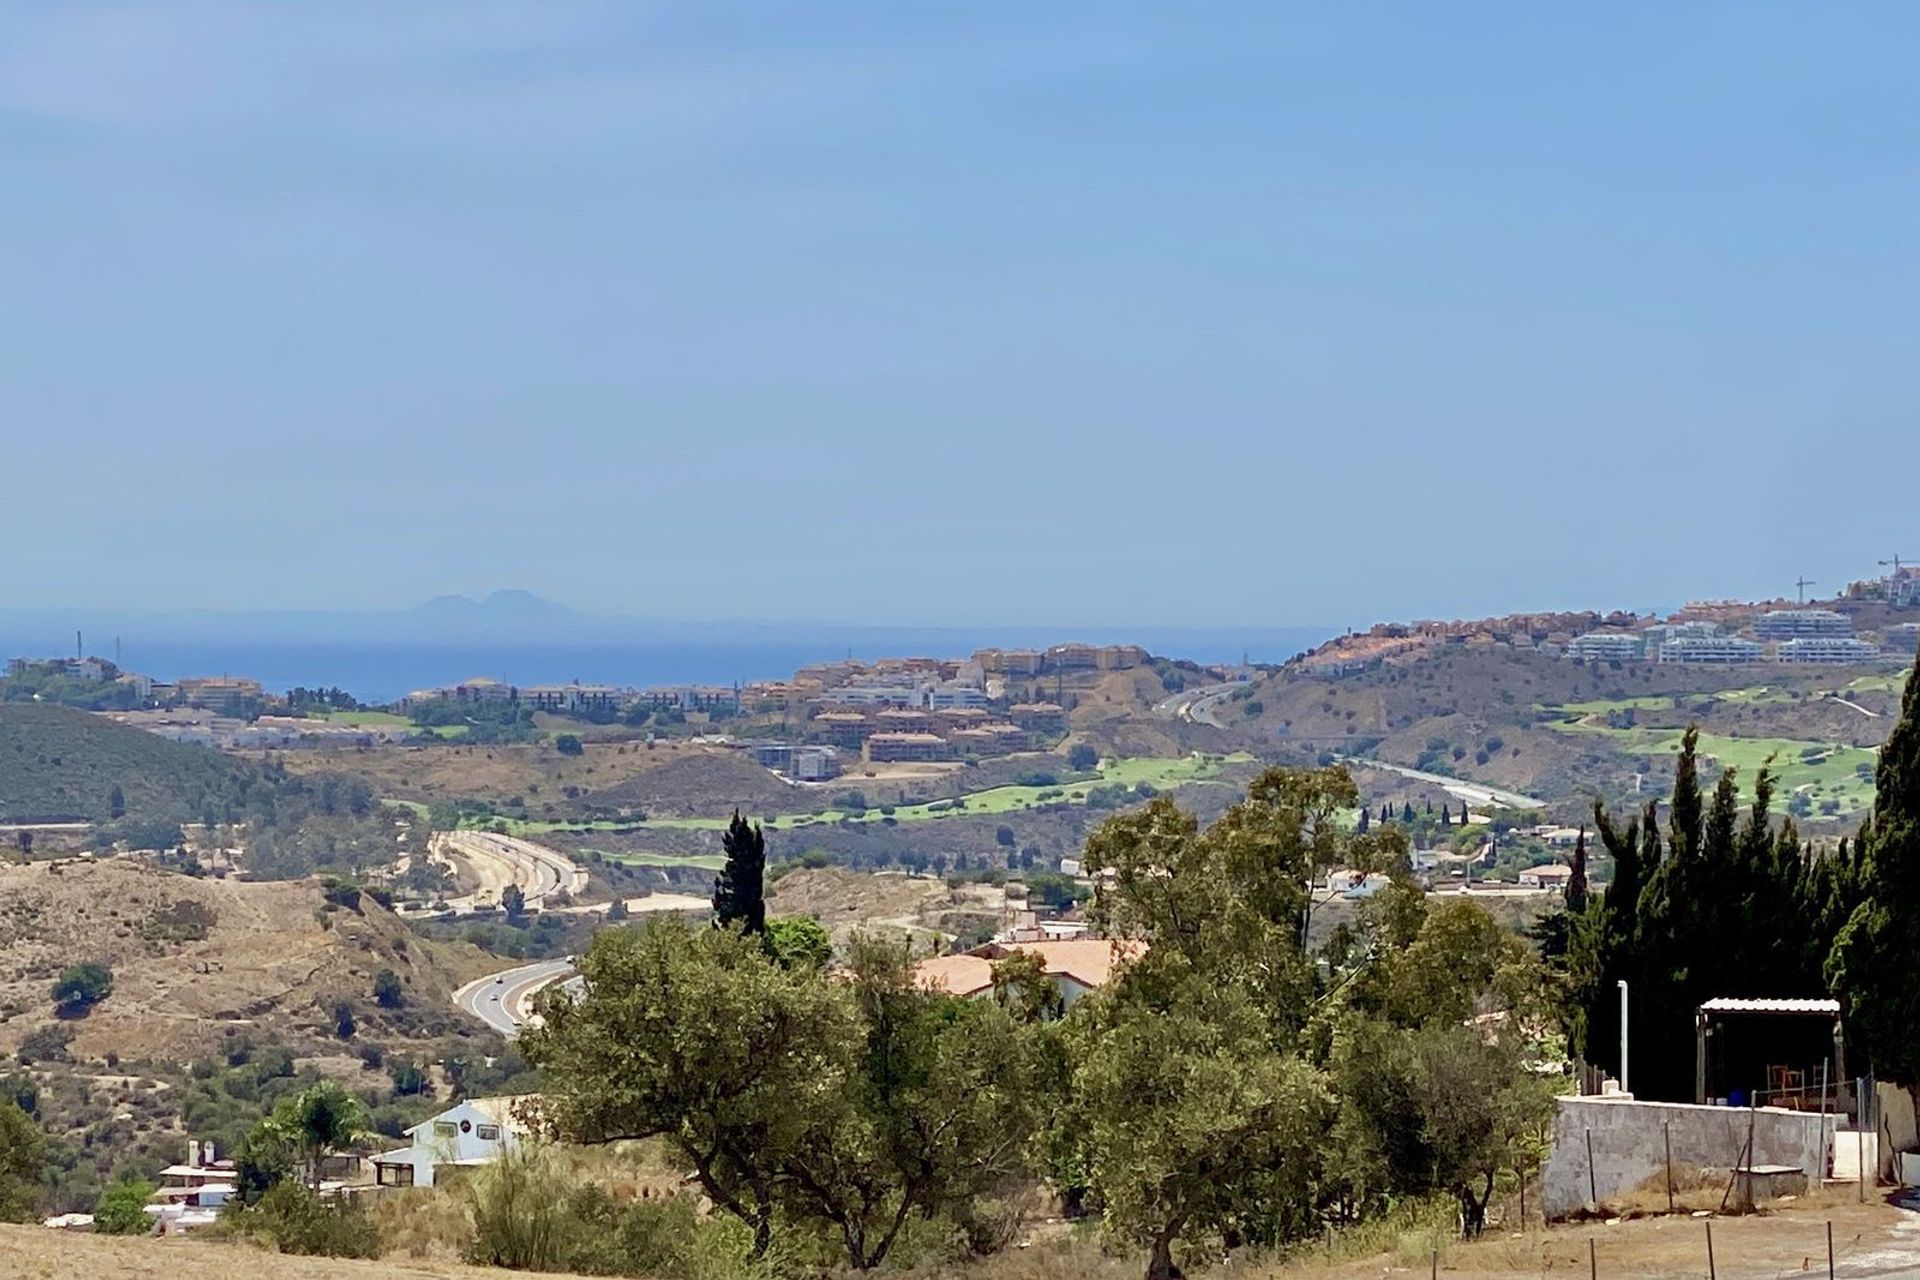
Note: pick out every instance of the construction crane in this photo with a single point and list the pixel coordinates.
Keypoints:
(1894, 564)
(1803, 584)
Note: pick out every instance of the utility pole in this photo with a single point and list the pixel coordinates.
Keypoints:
(1623, 1037)
(1803, 584)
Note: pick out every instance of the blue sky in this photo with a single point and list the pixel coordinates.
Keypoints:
(956, 313)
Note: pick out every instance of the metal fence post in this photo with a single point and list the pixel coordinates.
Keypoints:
(1829, 1249)
(1593, 1192)
(1712, 1272)
(1667, 1134)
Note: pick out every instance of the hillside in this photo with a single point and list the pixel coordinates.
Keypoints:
(57, 763)
(1567, 731)
(274, 960)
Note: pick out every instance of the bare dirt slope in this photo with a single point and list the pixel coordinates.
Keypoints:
(922, 907)
(704, 784)
(274, 955)
(534, 772)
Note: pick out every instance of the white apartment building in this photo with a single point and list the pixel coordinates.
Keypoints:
(1719, 651)
(1602, 646)
(1825, 649)
(1789, 624)
(945, 696)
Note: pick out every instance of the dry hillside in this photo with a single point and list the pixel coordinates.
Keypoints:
(274, 956)
(534, 772)
(703, 784)
(921, 907)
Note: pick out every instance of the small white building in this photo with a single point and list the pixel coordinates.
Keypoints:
(1349, 883)
(945, 697)
(192, 1194)
(1552, 875)
(475, 1132)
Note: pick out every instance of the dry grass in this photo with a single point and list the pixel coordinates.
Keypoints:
(33, 1253)
(1873, 1239)
(267, 963)
(535, 771)
(433, 1224)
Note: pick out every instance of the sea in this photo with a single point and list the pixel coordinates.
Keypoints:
(378, 671)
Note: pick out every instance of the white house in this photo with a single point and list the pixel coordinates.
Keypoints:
(1356, 884)
(476, 1132)
(1552, 875)
(192, 1194)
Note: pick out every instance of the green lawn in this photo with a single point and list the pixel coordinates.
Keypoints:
(1161, 773)
(367, 719)
(1824, 772)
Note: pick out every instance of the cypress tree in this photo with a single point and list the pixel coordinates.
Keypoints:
(739, 891)
(1366, 817)
(1872, 961)
(1406, 812)
(1577, 882)
(1464, 817)
(1684, 824)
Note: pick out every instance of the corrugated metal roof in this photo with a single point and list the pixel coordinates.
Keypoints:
(1727, 1004)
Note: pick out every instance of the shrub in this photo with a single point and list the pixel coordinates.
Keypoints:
(1081, 757)
(408, 1079)
(295, 1220)
(568, 744)
(81, 987)
(387, 991)
(184, 921)
(121, 1209)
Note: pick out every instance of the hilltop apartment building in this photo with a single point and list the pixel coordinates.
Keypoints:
(1823, 649)
(1792, 624)
(1601, 646)
(1715, 651)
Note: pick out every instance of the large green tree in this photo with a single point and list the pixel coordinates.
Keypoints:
(1195, 1109)
(848, 1104)
(739, 892)
(22, 1160)
(1431, 1060)
(1872, 961)
(697, 1037)
(942, 1108)
(317, 1122)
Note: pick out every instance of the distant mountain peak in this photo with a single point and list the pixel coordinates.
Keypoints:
(508, 602)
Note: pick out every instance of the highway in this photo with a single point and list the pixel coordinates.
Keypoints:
(501, 1000)
(1196, 705)
(503, 860)
(1471, 792)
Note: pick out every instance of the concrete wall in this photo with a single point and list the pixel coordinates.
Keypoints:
(1893, 1119)
(1629, 1148)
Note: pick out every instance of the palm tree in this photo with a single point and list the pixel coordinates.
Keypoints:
(317, 1122)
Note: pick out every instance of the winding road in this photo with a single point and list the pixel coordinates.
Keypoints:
(503, 1000)
(500, 861)
(1473, 792)
(1196, 705)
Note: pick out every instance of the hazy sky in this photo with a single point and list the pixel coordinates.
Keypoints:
(957, 312)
